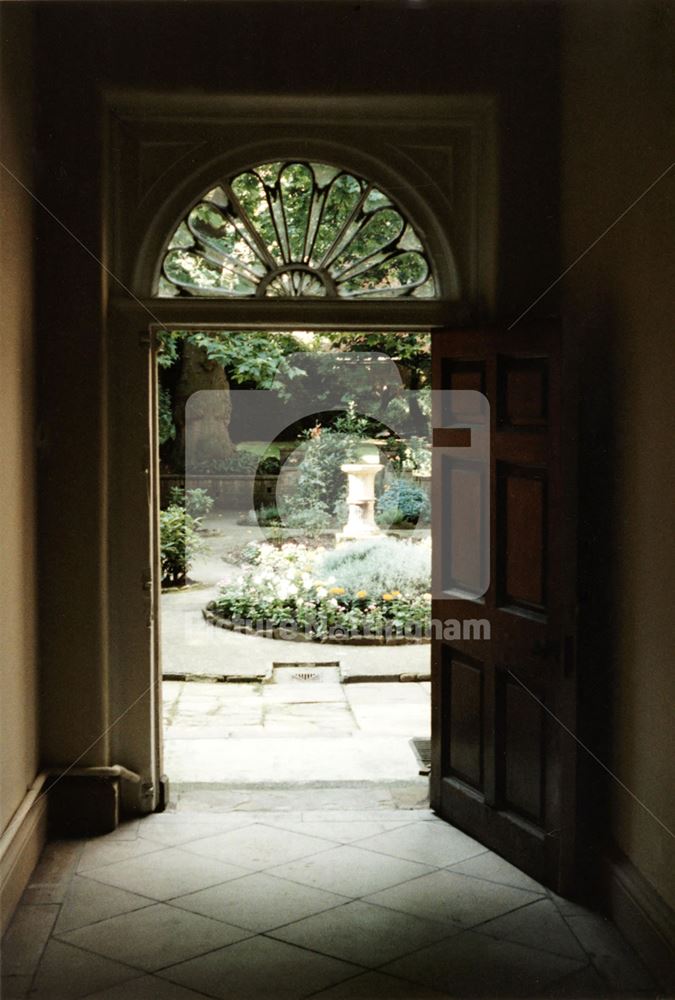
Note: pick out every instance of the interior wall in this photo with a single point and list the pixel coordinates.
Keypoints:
(18, 662)
(618, 114)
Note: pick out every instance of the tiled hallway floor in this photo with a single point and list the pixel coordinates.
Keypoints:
(291, 899)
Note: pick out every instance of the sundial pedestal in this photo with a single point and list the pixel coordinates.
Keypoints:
(360, 501)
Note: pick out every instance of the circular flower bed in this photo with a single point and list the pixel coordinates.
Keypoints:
(372, 591)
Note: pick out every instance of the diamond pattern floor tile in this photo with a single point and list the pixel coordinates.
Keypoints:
(14, 987)
(260, 969)
(66, 972)
(154, 937)
(100, 852)
(258, 846)
(459, 899)
(343, 832)
(164, 874)
(432, 843)
(362, 933)
(586, 984)
(355, 904)
(493, 868)
(539, 926)
(88, 901)
(377, 986)
(613, 958)
(172, 831)
(399, 817)
(473, 965)
(49, 882)
(147, 988)
(259, 902)
(26, 937)
(350, 871)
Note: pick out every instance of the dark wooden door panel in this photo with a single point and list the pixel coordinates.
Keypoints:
(465, 718)
(502, 768)
(521, 537)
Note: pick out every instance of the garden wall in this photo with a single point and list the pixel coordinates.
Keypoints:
(230, 492)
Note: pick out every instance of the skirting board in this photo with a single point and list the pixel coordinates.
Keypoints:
(20, 848)
(642, 916)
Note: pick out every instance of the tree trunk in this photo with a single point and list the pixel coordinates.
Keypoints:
(203, 407)
(411, 380)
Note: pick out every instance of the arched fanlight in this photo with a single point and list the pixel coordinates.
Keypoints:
(295, 229)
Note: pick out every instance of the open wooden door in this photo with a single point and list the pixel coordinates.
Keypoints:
(504, 708)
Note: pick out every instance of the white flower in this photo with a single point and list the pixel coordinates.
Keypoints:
(321, 592)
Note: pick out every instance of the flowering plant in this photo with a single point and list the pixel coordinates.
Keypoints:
(338, 592)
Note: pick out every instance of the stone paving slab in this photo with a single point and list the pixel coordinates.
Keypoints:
(293, 732)
(352, 800)
(291, 758)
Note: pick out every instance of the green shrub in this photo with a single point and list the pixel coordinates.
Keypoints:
(249, 554)
(321, 479)
(179, 542)
(312, 519)
(412, 454)
(269, 466)
(378, 565)
(402, 503)
(265, 515)
(268, 514)
(197, 502)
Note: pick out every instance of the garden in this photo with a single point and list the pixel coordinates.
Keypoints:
(338, 498)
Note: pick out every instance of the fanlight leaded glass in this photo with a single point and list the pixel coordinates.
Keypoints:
(298, 230)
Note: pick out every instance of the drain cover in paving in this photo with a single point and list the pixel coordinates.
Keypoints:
(422, 750)
(306, 673)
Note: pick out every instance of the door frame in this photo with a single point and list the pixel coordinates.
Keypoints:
(400, 142)
(134, 644)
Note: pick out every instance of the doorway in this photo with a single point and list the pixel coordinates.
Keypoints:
(295, 616)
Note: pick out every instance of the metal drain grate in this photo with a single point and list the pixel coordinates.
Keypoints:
(422, 750)
(306, 673)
